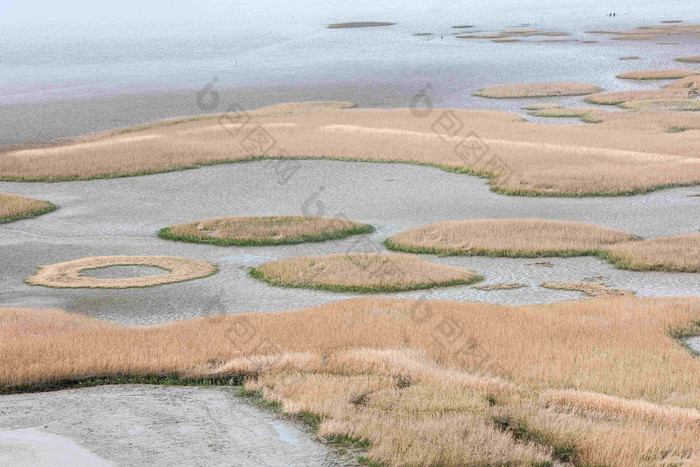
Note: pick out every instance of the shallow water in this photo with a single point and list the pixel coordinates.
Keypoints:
(70, 69)
(122, 216)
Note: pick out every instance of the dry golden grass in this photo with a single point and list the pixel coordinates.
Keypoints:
(654, 32)
(482, 36)
(359, 24)
(592, 289)
(594, 382)
(657, 74)
(691, 84)
(507, 237)
(16, 207)
(626, 153)
(618, 97)
(534, 32)
(507, 39)
(271, 230)
(694, 59)
(588, 115)
(362, 272)
(506, 91)
(680, 253)
(69, 274)
(664, 105)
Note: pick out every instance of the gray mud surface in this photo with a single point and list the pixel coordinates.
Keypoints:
(150, 425)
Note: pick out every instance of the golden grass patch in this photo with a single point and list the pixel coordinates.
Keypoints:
(626, 154)
(588, 115)
(17, 207)
(592, 382)
(654, 32)
(362, 272)
(691, 84)
(482, 36)
(507, 39)
(664, 105)
(618, 97)
(657, 74)
(507, 91)
(270, 230)
(526, 238)
(693, 59)
(69, 274)
(680, 253)
(591, 289)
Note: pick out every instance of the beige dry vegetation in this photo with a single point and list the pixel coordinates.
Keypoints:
(507, 39)
(585, 114)
(362, 272)
(534, 32)
(694, 59)
(270, 230)
(691, 84)
(657, 74)
(654, 32)
(591, 289)
(69, 274)
(593, 382)
(507, 237)
(624, 154)
(501, 286)
(481, 36)
(16, 207)
(619, 97)
(664, 105)
(680, 253)
(630, 57)
(507, 91)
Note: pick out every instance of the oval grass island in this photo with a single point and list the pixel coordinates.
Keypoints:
(69, 275)
(533, 238)
(362, 273)
(261, 231)
(16, 207)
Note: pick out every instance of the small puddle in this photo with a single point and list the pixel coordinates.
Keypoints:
(283, 434)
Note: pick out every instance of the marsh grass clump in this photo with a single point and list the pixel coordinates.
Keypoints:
(501, 286)
(482, 36)
(591, 289)
(587, 115)
(619, 97)
(362, 273)
(69, 275)
(657, 74)
(16, 207)
(693, 59)
(509, 91)
(664, 105)
(679, 253)
(517, 238)
(629, 57)
(359, 24)
(590, 382)
(257, 231)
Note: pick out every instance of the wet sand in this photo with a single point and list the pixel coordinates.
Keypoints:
(150, 425)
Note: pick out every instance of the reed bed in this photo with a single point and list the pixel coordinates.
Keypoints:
(654, 32)
(588, 115)
(591, 289)
(691, 84)
(519, 238)
(69, 275)
(591, 382)
(693, 59)
(359, 24)
(619, 97)
(362, 272)
(657, 74)
(680, 253)
(664, 105)
(16, 207)
(501, 286)
(270, 230)
(508, 91)
(625, 154)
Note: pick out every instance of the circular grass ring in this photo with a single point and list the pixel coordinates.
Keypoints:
(362, 273)
(263, 231)
(68, 275)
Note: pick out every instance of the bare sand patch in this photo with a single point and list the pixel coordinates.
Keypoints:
(625, 154)
(679, 253)
(591, 289)
(17, 207)
(270, 230)
(69, 274)
(599, 381)
(657, 74)
(520, 238)
(362, 273)
(507, 91)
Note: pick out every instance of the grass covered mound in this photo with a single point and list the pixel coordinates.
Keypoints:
(657, 74)
(679, 253)
(362, 273)
(586, 382)
(271, 230)
(16, 207)
(69, 275)
(505, 91)
(588, 115)
(519, 238)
